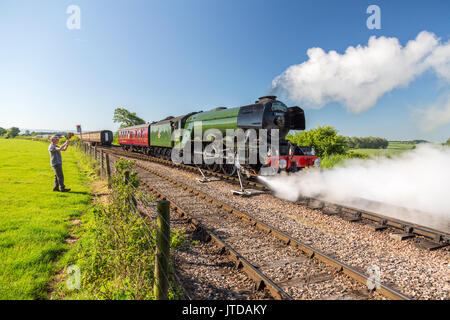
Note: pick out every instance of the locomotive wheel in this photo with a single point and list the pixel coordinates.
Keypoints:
(228, 169)
(168, 153)
(213, 167)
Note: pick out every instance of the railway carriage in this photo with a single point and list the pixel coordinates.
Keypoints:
(134, 138)
(103, 137)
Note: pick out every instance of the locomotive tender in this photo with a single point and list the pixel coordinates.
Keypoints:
(155, 138)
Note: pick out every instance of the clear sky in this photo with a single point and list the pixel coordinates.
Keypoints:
(160, 58)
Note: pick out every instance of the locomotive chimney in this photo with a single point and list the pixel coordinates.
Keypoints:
(265, 98)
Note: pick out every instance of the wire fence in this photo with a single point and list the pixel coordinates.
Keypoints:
(157, 225)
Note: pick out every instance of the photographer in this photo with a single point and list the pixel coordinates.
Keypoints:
(56, 163)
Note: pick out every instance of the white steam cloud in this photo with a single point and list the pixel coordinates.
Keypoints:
(360, 76)
(417, 179)
(434, 116)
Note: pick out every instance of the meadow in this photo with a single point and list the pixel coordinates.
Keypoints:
(394, 148)
(34, 220)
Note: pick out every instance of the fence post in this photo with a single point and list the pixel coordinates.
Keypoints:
(102, 170)
(161, 286)
(108, 168)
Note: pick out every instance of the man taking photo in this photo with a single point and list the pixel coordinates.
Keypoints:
(56, 163)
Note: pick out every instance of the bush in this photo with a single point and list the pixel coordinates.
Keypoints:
(325, 141)
(12, 132)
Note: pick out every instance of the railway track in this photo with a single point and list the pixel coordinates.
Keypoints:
(277, 262)
(430, 239)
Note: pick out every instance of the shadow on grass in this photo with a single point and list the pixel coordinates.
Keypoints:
(75, 192)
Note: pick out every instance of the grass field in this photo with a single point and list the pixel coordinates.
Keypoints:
(34, 221)
(393, 148)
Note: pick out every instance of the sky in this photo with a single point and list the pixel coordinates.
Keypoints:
(161, 58)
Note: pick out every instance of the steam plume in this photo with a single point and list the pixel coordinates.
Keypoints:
(360, 76)
(417, 179)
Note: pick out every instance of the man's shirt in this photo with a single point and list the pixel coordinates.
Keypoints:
(55, 155)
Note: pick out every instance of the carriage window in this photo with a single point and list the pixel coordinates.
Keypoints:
(278, 106)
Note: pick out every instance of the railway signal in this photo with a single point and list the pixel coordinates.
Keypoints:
(79, 131)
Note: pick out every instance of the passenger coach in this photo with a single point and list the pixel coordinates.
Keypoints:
(97, 138)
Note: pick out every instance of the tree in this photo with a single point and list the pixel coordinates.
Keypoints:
(448, 142)
(325, 140)
(2, 131)
(12, 132)
(126, 118)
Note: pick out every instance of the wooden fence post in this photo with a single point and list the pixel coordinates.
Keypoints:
(161, 285)
(102, 167)
(108, 168)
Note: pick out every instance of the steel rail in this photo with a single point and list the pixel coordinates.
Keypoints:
(260, 279)
(355, 274)
(440, 237)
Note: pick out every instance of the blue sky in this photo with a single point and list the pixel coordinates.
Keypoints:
(160, 58)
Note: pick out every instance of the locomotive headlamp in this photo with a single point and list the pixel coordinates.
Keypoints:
(282, 164)
(317, 163)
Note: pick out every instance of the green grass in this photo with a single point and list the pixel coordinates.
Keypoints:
(34, 221)
(393, 148)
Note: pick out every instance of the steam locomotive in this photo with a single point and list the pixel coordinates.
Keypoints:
(156, 139)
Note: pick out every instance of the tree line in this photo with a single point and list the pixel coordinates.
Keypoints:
(366, 142)
(9, 133)
(326, 141)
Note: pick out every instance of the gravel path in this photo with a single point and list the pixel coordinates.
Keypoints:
(416, 272)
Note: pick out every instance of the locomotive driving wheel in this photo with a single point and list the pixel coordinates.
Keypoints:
(228, 169)
(213, 167)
